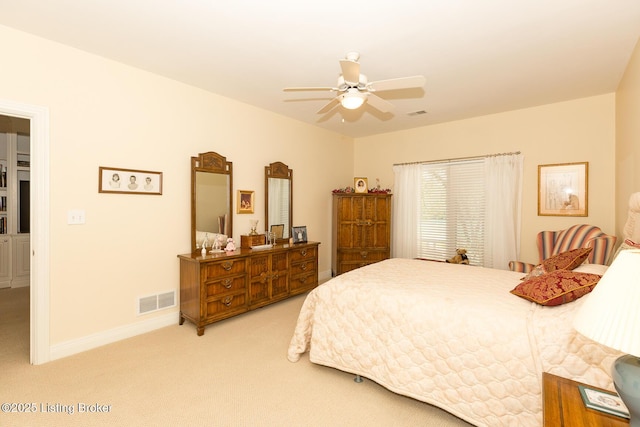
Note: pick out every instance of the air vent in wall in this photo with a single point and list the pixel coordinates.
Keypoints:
(156, 302)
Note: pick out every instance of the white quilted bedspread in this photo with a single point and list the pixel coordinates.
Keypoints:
(450, 335)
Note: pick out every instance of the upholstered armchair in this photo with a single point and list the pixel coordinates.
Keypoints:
(577, 236)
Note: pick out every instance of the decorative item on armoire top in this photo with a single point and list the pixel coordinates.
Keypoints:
(129, 181)
(378, 189)
(563, 189)
(360, 185)
(299, 234)
(245, 201)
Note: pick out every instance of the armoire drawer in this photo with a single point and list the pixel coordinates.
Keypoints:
(364, 255)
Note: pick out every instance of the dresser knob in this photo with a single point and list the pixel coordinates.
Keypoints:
(227, 301)
(227, 283)
(303, 252)
(364, 254)
(227, 265)
(303, 266)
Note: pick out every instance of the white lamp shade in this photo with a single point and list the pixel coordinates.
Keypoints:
(352, 99)
(610, 315)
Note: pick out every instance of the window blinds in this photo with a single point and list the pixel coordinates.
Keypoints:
(452, 210)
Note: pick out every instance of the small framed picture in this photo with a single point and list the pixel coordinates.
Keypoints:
(361, 185)
(605, 401)
(245, 201)
(278, 231)
(129, 181)
(563, 189)
(299, 234)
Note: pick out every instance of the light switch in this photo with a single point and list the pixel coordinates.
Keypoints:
(75, 217)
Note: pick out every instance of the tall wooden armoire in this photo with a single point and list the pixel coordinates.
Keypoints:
(361, 230)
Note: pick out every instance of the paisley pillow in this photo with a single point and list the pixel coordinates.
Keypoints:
(556, 288)
(563, 261)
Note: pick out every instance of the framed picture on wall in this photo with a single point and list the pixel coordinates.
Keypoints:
(563, 189)
(245, 201)
(129, 181)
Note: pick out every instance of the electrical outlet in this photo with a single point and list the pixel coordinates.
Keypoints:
(75, 217)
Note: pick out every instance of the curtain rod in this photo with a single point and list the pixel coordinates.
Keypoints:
(457, 158)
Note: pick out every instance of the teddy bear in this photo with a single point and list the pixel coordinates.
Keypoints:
(460, 257)
(230, 245)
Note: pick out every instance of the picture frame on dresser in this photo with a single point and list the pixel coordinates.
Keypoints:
(299, 234)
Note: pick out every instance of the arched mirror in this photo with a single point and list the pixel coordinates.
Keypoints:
(211, 195)
(278, 200)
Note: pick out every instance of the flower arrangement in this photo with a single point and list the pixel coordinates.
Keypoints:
(375, 190)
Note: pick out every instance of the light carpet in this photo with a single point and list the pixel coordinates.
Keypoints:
(236, 374)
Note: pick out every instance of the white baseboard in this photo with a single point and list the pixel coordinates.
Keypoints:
(89, 342)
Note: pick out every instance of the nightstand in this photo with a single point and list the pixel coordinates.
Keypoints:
(563, 406)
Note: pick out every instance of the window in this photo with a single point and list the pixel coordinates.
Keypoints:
(452, 210)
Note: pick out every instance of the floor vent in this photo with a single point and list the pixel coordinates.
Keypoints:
(156, 302)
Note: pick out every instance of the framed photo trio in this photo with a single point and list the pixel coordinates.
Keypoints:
(129, 181)
(563, 189)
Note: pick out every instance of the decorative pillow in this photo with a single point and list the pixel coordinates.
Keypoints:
(563, 261)
(556, 288)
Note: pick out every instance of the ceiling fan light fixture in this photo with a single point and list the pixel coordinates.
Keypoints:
(352, 99)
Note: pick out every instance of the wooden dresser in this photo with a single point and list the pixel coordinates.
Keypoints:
(361, 230)
(219, 286)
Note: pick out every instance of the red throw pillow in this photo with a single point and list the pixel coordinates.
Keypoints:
(563, 261)
(557, 287)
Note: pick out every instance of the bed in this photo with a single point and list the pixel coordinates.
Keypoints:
(449, 335)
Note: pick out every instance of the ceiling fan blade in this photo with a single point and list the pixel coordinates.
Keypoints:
(350, 71)
(335, 101)
(300, 89)
(400, 83)
(379, 104)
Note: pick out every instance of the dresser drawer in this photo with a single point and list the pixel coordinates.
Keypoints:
(227, 267)
(303, 267)
(303, 253)
(303, 282)
(225, 285)
(226, 305)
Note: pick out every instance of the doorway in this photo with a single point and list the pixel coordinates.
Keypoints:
(39, 347)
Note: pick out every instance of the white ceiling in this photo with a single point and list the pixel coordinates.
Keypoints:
(478, 57)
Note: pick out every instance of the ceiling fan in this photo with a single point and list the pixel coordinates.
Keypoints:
(354, 90)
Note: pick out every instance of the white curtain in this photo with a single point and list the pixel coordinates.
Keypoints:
(503, 178)
(405, 214)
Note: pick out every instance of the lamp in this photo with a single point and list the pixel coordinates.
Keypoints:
(352, 99)
(611, 316)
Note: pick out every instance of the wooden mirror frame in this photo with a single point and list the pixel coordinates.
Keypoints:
(210, 162)
(282, 171)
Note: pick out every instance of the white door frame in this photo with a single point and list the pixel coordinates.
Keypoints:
(39, 228)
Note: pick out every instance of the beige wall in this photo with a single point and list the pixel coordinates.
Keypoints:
(103, 113)
(627, 138)
(582, 130)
